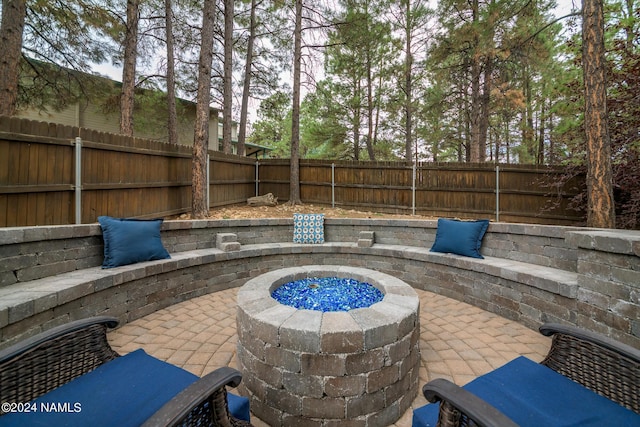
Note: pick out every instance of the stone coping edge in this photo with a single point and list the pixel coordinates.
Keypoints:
(24, 299)
(400, 300)
(13, 235)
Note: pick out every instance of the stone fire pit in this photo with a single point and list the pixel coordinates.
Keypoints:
(314, 368)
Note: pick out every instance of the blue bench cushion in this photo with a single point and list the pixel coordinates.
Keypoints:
(123, 392)
(534, 395)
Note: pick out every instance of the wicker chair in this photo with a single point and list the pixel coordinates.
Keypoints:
(51, 359)
(600, 364)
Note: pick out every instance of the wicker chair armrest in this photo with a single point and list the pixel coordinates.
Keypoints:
(202, 401)
(627, 351)
(27, 370)
(54, 333)
(458, 406)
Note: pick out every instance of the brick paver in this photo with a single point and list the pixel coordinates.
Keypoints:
(457, 341)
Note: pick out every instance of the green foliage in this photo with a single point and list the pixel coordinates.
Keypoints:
(321, 132)
(45, 86)
(62, 39)
(70, 34)
(358, 60)
(273, 127)
(513, 46)
(147, 123)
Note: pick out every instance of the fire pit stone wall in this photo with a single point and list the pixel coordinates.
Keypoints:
(306, 367)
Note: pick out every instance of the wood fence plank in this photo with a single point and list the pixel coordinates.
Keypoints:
(5, 147)
(131, 177)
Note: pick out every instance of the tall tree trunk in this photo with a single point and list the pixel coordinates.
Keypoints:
(476, 113)
(462, 125)
(485, 99)
(369, 141)
(408, 67)
(127, 97)
(294, 180)
(14, 13)
(199, 208)
(628, 26)
(242, 128)
(541, 130)
(476, 101)
(528, 133)
(228, 76)
(378, 107)
(600, 203)
(552, 148)
(506, 138)
(172, 119)
(356, 123)
(508, 144)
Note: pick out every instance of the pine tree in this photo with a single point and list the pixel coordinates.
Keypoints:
(294, 175)
(172, 114)
(199, 208)
(227, 92)
(127, 98)
(11, 28)
(600, 203)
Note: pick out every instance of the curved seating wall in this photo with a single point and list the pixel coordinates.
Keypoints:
(531, 273)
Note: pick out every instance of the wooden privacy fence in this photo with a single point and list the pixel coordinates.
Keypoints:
(512, 193)
(54, 174)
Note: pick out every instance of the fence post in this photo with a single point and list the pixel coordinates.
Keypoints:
(208, 182)
(333, 185)
(497, 193)
(78, 183)
(413, 191)
(257, 179)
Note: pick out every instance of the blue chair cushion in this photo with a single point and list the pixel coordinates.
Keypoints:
(239, 406)
(460, 237)
(308, 228)
(533, 395)
(123, 392)
(127, 241)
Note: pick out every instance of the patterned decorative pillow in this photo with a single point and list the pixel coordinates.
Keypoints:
(308, 228)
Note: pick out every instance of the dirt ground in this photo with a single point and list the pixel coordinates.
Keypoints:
(287, 211)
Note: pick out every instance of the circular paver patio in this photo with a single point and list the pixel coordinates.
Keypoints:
(457, 341)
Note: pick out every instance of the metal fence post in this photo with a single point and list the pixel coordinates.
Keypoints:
(78, 183)
(413, 191)
(333, 185)
(208, 182)
(257, 179)
(497, 193)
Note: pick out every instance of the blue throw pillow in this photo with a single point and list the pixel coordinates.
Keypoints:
(127, 241)
(460, 237)
(308, 228)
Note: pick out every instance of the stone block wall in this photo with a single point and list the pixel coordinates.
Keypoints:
(606, 263)
(34, 252)
(608, 299)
